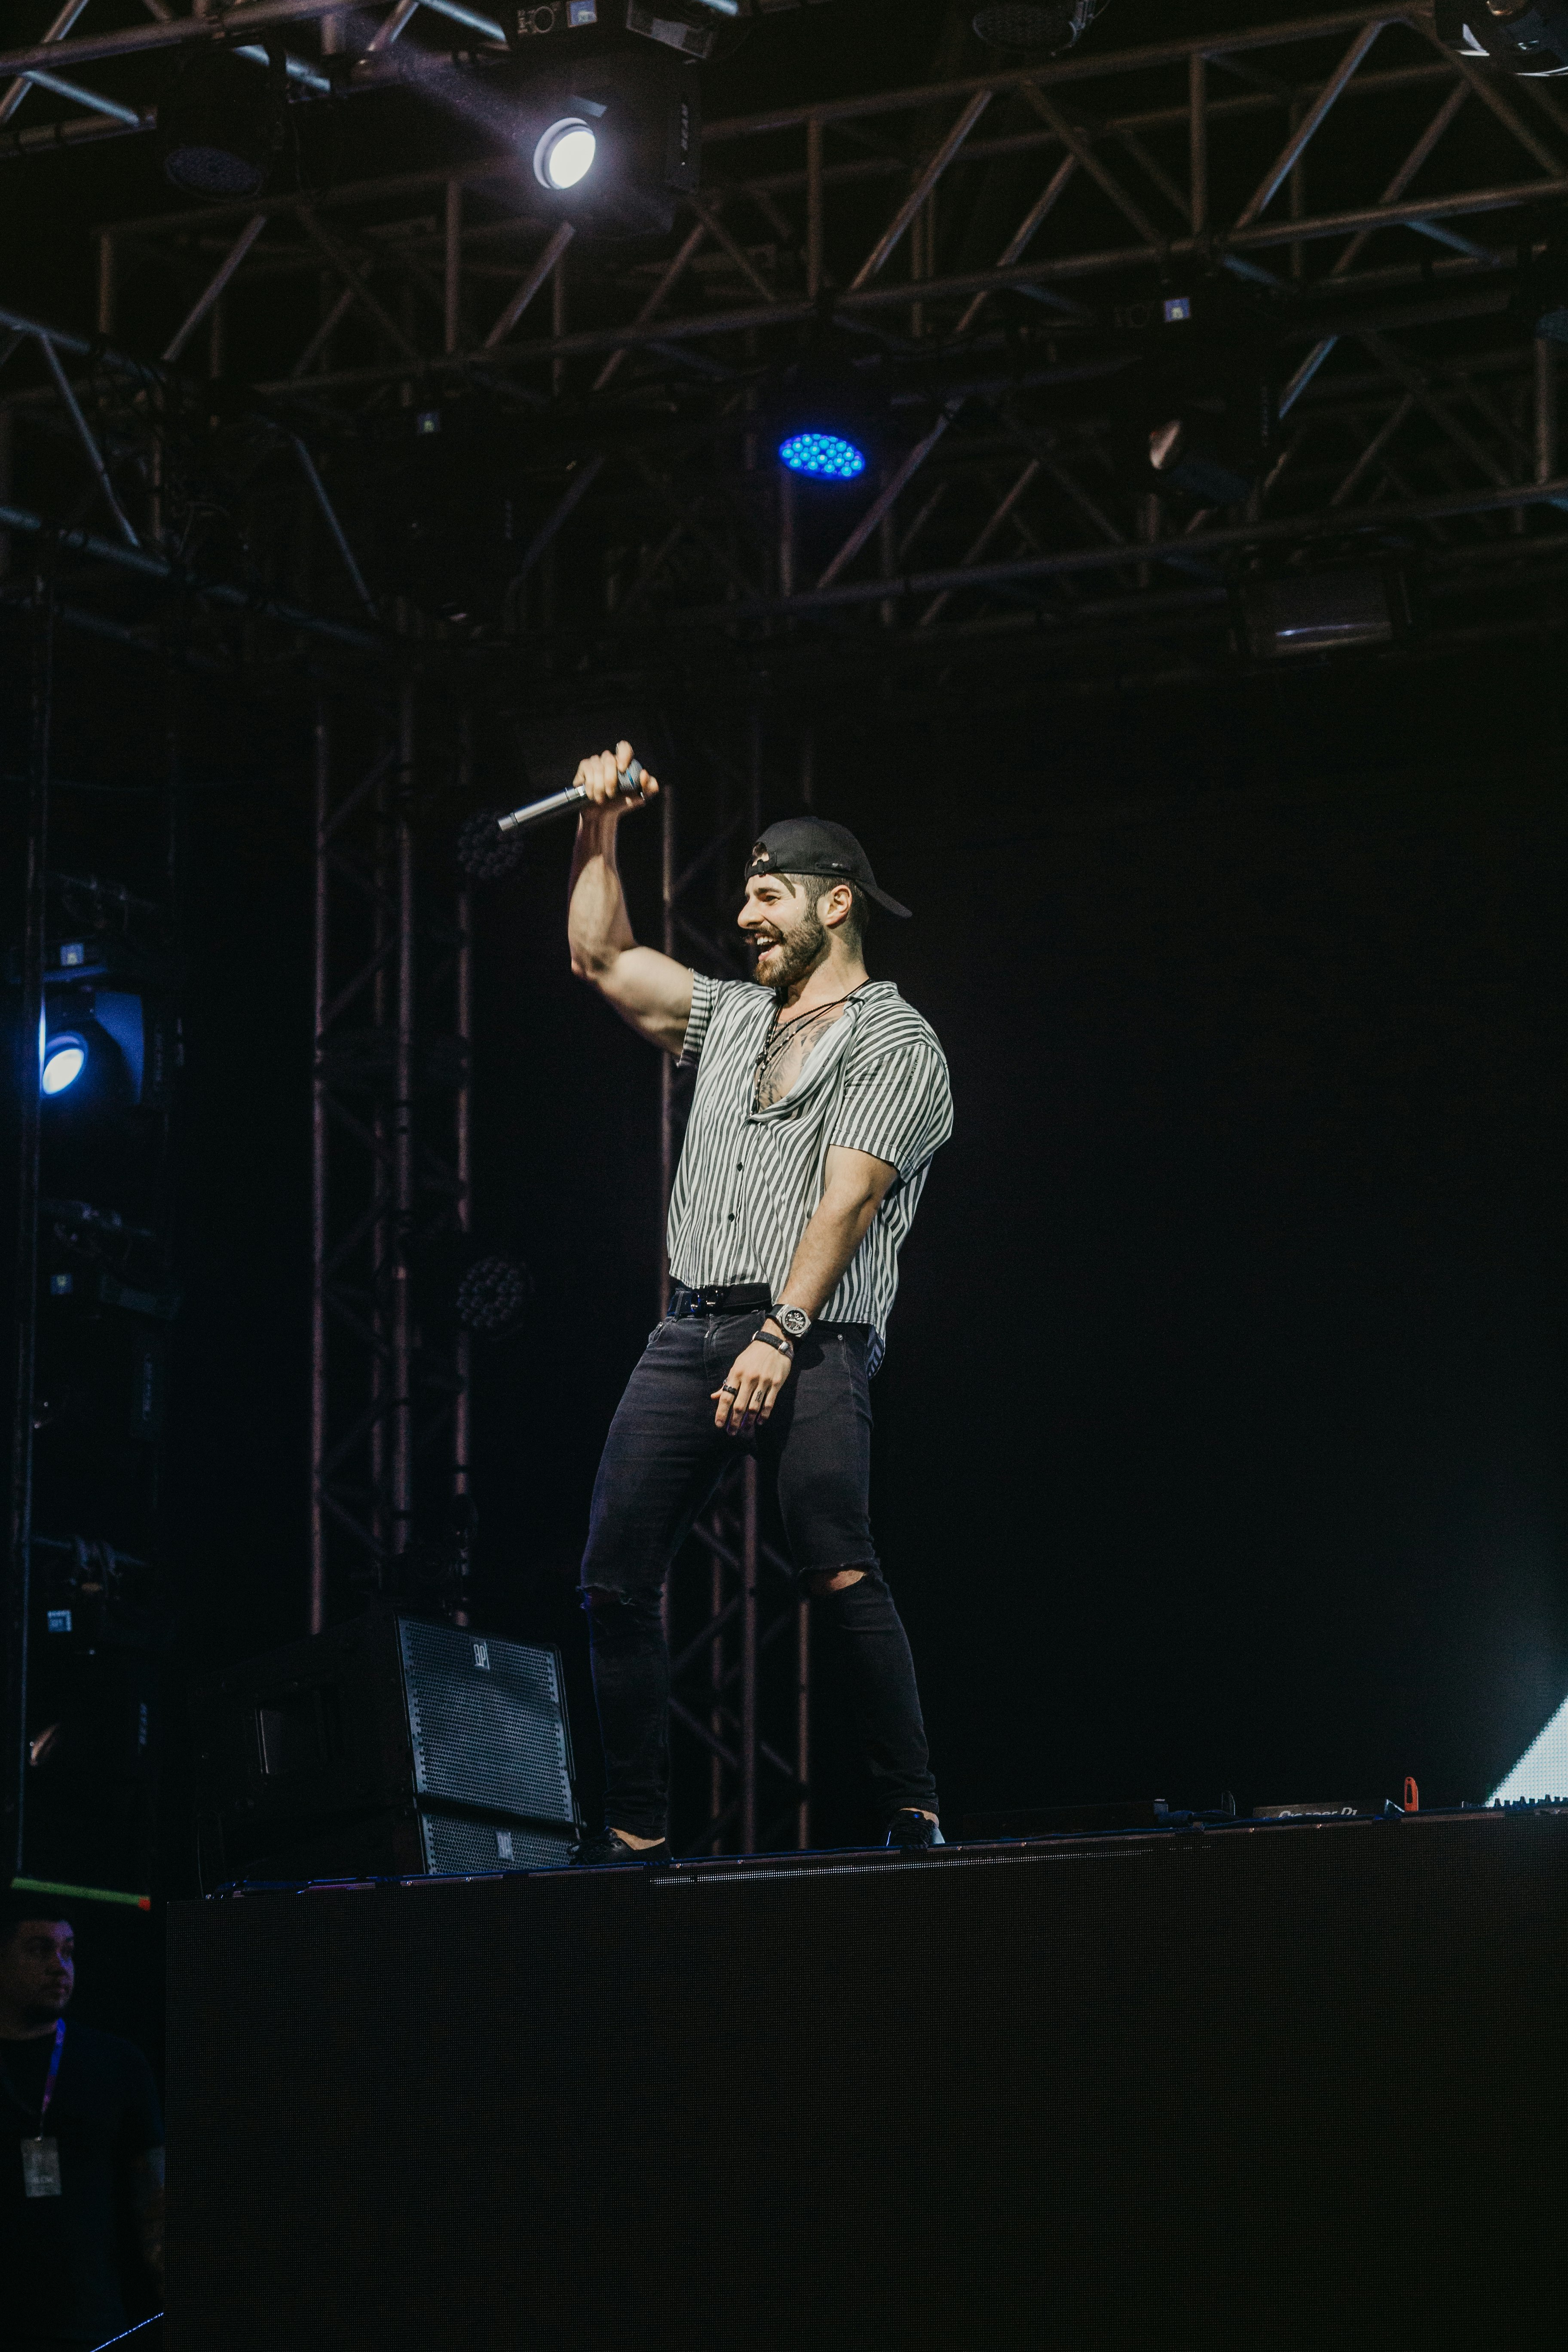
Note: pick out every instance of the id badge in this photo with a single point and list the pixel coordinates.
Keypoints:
(40, 2167)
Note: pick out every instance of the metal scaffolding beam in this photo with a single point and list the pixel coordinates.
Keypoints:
(391, 1171)
(980, 243)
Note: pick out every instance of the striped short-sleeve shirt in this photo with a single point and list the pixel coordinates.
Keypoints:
(749, 1178)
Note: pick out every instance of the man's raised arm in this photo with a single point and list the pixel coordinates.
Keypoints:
(650, 991)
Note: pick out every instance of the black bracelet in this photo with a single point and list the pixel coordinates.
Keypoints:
(784, 1347)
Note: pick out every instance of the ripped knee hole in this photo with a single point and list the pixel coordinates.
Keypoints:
(825, 1580)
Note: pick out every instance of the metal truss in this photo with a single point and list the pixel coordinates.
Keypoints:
(741, 1684)
(984, 245)
(390, 1175)
(739, 1633)
(98, 449)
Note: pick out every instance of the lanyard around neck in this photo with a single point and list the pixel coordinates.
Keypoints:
(54, 2070)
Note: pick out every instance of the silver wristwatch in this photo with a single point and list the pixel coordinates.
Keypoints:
(793, 1321)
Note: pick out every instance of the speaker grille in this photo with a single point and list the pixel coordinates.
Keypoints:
(483, 1845)
(486, 1723)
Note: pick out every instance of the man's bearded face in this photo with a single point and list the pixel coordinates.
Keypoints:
(782, 929)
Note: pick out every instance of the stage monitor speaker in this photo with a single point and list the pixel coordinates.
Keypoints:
(391, 1746)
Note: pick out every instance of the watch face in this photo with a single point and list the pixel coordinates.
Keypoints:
(795, 1322)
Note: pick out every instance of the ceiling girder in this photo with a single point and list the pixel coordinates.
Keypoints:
(1384, 353)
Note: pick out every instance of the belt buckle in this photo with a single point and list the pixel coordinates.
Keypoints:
(710, 1301)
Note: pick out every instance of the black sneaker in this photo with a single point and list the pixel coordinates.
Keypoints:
(911, 1832)
(609, 1850)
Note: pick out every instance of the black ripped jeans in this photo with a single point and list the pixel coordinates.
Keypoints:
(662, 1462)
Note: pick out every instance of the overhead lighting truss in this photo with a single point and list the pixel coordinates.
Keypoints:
(1001, 250)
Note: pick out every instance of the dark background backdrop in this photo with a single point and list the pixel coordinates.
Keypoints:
(1218, 1439)
(1218, 1443)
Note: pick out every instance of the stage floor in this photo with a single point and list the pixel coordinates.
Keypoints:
(1267, 2084)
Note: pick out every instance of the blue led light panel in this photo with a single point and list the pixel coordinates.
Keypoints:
(826, 456)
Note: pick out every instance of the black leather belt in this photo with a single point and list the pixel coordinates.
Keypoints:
(720, 1298)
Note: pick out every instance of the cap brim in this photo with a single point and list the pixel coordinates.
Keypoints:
(882, 899)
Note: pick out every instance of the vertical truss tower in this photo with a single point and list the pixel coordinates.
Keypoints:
(390, 1149)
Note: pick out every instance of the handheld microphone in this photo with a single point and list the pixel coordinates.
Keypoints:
(630, 784)
(490, 845)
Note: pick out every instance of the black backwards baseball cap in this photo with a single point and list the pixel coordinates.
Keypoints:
(809, 845)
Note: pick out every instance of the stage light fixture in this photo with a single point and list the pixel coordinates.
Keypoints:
(64, 1060)
(684, 25)
(1053, 25)
(1195, 412)
(615, 148)
(1199, 454)
(563, 155)
(464, 1282)
(96, 1257)
(493, 1296)
(699, 29)
(1530, 38)
(222, 124)
(825, 456)
(108, 1048)
(825, 414)
(137, 1038)
(1344, 608)
(110, 1034)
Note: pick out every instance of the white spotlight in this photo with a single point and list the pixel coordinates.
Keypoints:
(1542, 1770)
(65, 1059)
(565, 155)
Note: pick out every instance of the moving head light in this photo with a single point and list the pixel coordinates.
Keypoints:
(1531, 39)
(109, 1048)
(110, 1033)
(614, 144)
(1196, 409)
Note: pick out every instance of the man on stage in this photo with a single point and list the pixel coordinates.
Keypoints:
(821, 1100)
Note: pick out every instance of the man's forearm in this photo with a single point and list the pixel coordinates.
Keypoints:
(598, 927)
(856, 1186)
(839, 1226)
